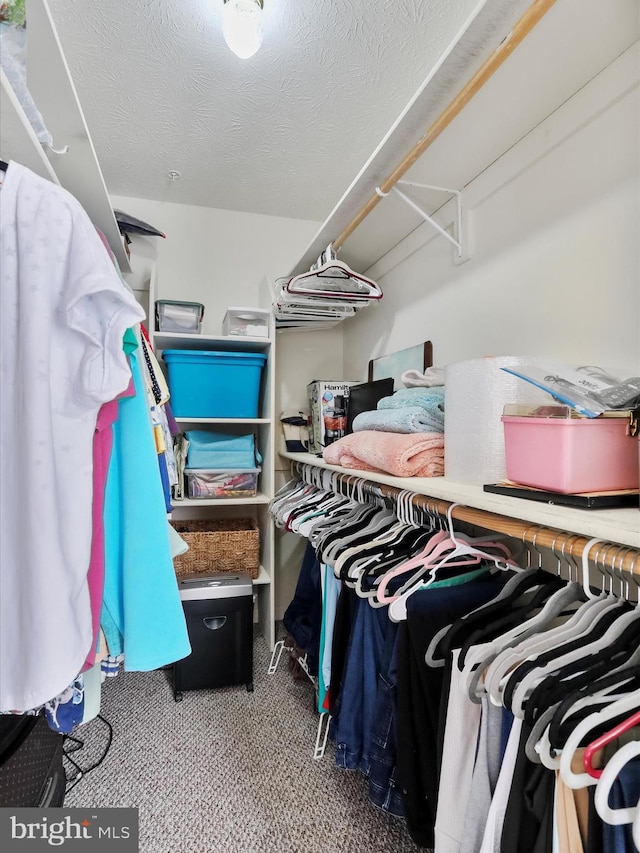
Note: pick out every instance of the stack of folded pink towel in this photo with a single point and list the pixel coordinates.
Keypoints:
(402, 455)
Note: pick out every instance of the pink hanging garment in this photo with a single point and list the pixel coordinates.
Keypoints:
(102, 443)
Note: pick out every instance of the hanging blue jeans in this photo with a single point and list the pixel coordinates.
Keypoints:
(360, 687)
(625, 793)
(384, 790)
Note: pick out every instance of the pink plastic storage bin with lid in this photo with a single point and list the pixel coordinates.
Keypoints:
(571, 455)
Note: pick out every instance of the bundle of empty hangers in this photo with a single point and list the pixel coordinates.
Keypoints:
(329, 293)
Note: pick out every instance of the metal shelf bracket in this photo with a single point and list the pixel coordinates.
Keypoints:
(460, 238)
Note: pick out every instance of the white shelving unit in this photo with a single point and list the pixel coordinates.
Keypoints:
(54, 93)
(263, 428)
(621, 526)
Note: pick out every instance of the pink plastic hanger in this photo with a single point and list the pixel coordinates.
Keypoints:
(613, 734)
(438, 543)
(442, 550)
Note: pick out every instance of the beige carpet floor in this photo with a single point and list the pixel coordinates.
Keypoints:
(226, 771)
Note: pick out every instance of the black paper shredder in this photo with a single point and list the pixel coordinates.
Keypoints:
(219, 614)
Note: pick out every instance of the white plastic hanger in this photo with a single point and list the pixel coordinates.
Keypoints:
(476, 662)
(528, 682)
(623, 705)
(498, 671)
(329, 293)
(462, 550)
(531, 645)
(303, 524)
(331, 277)
(316, 303)
(442, 549)
(598, 697)
(508, 591)
(370, 592)
(615, 817)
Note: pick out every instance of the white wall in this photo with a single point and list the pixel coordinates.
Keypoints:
(301, 356)
(217, 257)
(556, 266)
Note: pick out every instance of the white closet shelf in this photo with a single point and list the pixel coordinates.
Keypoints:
(260, 498)
(613, 525)
(263, 577)
(225, 343)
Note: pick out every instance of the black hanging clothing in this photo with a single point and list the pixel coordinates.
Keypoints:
(528, 821)
(303, 617)
(345, 611)
(420, 687)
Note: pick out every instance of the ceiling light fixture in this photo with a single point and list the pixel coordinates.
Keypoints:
(242, 26)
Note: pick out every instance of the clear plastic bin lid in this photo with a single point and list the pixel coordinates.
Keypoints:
(222, 471)
(176, 306)
(553, 410)
(249, 316)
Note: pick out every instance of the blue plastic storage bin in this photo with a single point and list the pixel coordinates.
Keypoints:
(206, 384)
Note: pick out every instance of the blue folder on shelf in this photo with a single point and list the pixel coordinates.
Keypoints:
(220, 450)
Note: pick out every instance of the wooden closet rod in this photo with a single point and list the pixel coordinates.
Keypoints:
(524, 26)
(613, 555)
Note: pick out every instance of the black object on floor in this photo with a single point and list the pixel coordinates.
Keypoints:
(31, 770)
(74, 745)
(219, 614)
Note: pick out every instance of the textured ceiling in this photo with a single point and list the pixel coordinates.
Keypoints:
(283, 133)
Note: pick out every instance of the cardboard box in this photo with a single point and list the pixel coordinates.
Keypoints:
(328, 412)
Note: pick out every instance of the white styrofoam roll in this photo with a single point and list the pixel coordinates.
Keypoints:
(475, 393)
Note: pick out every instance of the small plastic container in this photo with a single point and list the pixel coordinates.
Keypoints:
(250, 322)
(203, 483)
(571, 455)
(206, 384)
(179, 317)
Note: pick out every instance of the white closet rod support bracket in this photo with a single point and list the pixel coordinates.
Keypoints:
(322, 735)
(63, 150)
(460, 239)
(276, 655)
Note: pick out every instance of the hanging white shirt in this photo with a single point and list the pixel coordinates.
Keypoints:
(64, 313)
